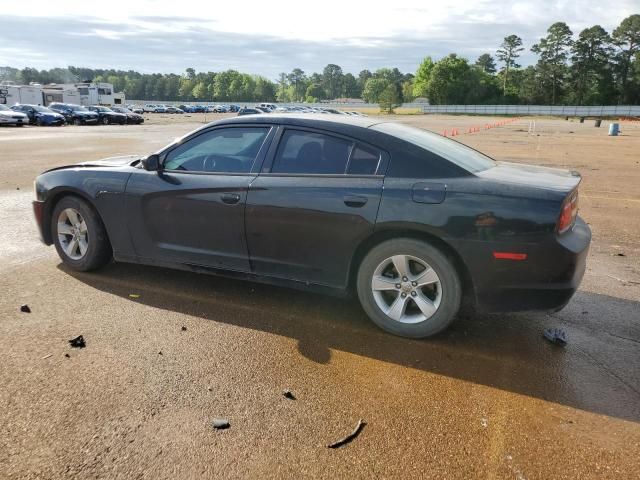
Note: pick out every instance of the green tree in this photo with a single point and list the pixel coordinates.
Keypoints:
(332, 78)
(423, 75)
(373, 89)
(389, 98)
(314, 91)
(553, 51)
(363, 76)
(486, 63)
(350, 88)
(297, 79)
(590, 62)
(627, 38)
(508, 53)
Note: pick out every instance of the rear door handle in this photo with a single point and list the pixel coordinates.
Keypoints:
(354, 201)
(230, 198)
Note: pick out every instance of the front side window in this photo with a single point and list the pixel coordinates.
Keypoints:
(225, 150)
(311, 153)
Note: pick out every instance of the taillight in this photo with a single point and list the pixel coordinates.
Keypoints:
(568, 213)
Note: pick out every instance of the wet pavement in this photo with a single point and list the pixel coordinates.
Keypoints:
(489, 398)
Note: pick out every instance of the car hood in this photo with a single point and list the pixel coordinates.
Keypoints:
(554, 179)
(12, 113)
(111, 161)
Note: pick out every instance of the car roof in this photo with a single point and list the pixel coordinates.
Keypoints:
(305, 120)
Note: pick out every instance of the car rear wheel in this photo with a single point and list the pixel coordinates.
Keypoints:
(39, 122)
(77, 122)
(409, 288)
(79, 235)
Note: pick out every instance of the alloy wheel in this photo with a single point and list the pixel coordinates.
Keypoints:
(406, 288)
(73, 235)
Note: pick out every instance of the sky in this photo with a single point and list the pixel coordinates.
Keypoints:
(269, 37)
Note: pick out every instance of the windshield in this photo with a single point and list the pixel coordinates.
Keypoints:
(38, 108)
(457, 153)
(103, 109)
(78, 108)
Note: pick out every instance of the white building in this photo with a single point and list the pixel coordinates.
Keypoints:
(78, 93)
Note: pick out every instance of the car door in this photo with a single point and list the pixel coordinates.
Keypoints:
(315, 200)
(192, 210)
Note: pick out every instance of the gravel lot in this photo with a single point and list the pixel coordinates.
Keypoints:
(487, 399)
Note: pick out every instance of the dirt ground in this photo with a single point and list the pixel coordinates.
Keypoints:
(489, 398)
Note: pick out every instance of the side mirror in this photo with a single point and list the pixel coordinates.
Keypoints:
(151, 163)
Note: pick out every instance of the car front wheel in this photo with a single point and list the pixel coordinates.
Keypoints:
(79, 235)
(105, 121)
(409, 288)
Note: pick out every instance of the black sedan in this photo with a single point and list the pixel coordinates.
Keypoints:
(411, 221)
(75, 114)
(106, 116)
(132, 117)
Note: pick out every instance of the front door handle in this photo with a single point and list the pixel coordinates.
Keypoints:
(230, 198)
(354, 201)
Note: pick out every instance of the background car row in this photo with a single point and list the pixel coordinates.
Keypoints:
(58, 114)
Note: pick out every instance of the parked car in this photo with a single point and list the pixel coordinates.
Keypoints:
(303, 204)
(187, 108)
(219, 109)
(39, 115)
(75, 114)
(269, 106)
(106, 116)
(200, 109)
(262, 109)
(173, 110)
(11, 117)
(135, 109)
(248, 111)
(234, 108)
(160, 108)
(149, 108)
(132, 117)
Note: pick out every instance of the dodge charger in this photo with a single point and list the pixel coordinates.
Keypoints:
(413, 223)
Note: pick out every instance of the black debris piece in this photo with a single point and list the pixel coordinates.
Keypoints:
(350, 437)
(184, 329)
(25, 308)
(620, 254)
(288, 394)
(221, 423)
(67, 355)
(78, 342)
(556, 336)
(160, 352)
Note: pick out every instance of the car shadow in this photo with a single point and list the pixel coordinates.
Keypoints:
(598, 371)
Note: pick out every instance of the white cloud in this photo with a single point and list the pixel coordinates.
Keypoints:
(269, 37)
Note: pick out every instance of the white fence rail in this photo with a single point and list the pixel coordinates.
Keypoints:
(559, 110)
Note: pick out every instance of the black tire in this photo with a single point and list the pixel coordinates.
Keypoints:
(105, 121)
(38, 122)
(451, 287)
(98, 251)
(77, 122)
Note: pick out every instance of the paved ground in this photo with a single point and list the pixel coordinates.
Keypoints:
(487, 399)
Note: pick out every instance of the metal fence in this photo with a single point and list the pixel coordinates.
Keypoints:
(559, 110)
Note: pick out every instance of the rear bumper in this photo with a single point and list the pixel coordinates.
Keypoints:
(545, 281)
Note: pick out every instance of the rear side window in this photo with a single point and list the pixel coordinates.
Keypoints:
(311, 153)
(225, 150)
(364, 161)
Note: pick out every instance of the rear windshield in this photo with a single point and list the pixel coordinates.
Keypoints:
(457, 153)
